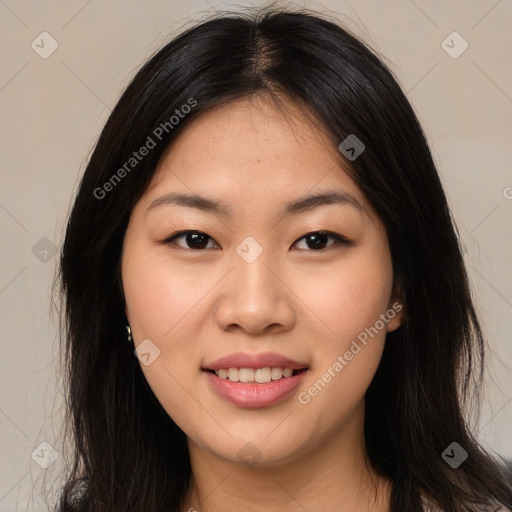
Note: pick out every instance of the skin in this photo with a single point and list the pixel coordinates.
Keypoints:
(197, 305)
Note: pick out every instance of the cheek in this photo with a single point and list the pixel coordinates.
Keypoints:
(347, 303)
(159, 294)
(349, 296)
(160, 300)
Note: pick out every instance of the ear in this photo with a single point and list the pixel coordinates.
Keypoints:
(396, 308)
(396, 314)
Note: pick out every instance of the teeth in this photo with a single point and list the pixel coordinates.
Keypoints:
(277, 373)
(263, 375)
(246, 375)
(260, 375)
(232, 374)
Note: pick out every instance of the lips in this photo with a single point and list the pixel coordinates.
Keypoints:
(254, 395)
(246, 360)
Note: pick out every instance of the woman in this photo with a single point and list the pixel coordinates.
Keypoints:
(266, 306)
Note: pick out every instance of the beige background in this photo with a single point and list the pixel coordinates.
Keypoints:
(52, 111)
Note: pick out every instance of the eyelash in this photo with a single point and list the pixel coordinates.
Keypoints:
(339, 239)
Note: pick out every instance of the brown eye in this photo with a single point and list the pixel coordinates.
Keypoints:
(317, 240)
(193, 239)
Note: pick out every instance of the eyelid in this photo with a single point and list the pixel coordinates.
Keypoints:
(171, 238)
(340, 239)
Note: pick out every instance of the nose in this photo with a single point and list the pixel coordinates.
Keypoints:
(256, 297)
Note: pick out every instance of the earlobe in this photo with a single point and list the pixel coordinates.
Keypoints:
(396, 315)
(127, 325)
(129, 333)
(396, 306)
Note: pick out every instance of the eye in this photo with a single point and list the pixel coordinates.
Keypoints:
(195, 239)
(315, 240)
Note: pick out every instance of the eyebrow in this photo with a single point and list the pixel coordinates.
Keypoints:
(302, 205)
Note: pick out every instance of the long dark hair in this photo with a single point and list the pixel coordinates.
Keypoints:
(129, 454)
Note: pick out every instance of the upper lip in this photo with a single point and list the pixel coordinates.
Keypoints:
(245, 360)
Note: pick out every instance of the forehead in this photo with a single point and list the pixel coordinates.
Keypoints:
(251, 150)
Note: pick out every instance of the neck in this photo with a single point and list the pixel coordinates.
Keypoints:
(330, 475)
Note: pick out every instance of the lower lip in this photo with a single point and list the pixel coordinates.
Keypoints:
(244, 394)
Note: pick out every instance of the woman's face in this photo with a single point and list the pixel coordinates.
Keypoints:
(248, 281)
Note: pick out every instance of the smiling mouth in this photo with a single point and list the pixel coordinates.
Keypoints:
(255, 375)
(253, 388)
